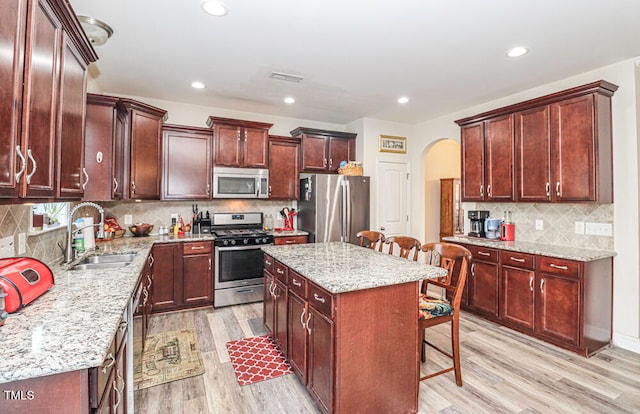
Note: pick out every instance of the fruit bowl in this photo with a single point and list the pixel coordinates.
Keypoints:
(141, 229)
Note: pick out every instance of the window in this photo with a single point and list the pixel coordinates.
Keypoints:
(48, 216)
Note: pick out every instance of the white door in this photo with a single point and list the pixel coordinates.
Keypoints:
(393, 198)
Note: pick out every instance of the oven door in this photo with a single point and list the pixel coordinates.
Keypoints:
(238, 266)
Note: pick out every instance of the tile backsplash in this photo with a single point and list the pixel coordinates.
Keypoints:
(14, 219)
(558, 220)
(159, 213)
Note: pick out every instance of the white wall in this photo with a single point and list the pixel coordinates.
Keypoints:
(626, 312)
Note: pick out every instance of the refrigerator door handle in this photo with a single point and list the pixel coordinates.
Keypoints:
(343, 223)
(347, 234)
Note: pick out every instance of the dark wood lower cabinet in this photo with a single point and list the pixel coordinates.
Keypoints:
(275, 305)
(354, 351)
(564, 302)
(182, 275)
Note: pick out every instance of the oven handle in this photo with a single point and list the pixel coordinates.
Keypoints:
(228, 249)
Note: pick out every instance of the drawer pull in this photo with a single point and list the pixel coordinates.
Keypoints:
(290, 241)
(484, 254)
(559, 267)
(515, 259)
(319, 298)
(197, 247)
(110, 364)
(296, 283)
(267, 262)
(123, 325)
(280, 271)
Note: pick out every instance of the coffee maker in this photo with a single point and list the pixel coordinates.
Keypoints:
(477, 218)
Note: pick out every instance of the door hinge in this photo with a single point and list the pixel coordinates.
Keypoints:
(408, 176)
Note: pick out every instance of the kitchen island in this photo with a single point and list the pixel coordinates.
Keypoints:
(346, 318)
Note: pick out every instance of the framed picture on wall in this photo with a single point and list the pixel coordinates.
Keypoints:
(389, 143)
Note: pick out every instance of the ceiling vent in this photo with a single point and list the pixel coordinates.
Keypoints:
(286, 77)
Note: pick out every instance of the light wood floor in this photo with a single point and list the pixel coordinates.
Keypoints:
(502, 371)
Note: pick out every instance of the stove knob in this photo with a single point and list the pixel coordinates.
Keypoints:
(233, 242)
(264, 240)
(257, 240)
(245, 241)
(225, 242)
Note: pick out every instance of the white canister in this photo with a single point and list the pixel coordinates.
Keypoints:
(88, 233)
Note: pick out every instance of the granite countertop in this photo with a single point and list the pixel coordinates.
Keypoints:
(342, 267)
(289, 233)
(563, 252)
(71, 326)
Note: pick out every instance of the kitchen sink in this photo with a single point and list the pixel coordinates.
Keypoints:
(105, 261)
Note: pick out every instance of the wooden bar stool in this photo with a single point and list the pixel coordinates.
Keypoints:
(406, 244)
(373, 238)
(434, 311)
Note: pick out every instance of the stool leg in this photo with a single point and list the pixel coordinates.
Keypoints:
(423, 353)
(455, 345)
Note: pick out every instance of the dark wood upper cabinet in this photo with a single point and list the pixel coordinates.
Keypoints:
(560, 147)
(72, 175)
(186, 162)
(42, 87)
(101, 134)
(238, 143)
(322, 151)
(284, 168)
(143, 150)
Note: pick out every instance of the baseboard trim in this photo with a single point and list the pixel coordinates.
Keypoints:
(627, 342)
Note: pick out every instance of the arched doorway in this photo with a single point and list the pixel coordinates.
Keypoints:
(440, 160)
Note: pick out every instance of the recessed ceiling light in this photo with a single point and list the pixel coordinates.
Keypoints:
(198, 85)
(289, 100)
(403, 100)
(215, 8)
(517, 51)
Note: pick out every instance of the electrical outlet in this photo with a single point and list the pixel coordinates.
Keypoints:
(6, 247)
(22, 243)
(579, 227)
(128, 219)
(539, 225)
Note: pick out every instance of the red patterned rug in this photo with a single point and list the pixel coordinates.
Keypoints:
(257, 359)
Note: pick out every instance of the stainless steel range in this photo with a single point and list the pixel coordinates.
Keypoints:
(238, 257)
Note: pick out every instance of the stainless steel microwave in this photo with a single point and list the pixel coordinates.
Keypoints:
(240, 182)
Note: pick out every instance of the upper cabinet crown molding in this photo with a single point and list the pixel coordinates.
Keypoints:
(71, 25)
(214, 120)
(130, 104)
(313, 131)
(601, 87)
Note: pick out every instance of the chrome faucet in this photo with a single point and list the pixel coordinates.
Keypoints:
(68, 254)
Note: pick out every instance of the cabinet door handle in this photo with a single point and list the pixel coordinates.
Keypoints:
(115, 184)
(238, 135)
(23, 163)
(558, 188)
(110, 364)
(484, 254)
(123, 325)
(208, 189)
(481, 190)
(296, 283)
(118, 396)
(267, 262)
(133, 187)
(330, 162)
(547, 189)
(558, 267)
(324, 163)
(473, 269)
(307, 323)
(86, 178)
(209, 263)
(489, 190)
(542, 286)
(319, 298)
(280, 271)
(531, 283)
(149, 279)
(302, 319)
(35, 166)
(151, 260)
(269, 191)
(515, 259)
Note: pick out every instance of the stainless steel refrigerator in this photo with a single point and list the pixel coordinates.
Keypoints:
(333, 207)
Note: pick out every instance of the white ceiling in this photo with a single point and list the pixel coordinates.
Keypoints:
(356, 56)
